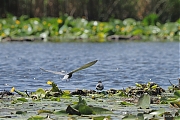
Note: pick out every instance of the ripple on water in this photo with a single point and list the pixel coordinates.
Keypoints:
(120, 64)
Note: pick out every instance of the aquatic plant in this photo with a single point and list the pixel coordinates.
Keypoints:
(55, 103)
(67, 28)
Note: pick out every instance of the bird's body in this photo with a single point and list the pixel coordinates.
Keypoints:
(69, 75)
(99, 86)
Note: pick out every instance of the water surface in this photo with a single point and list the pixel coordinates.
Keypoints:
(120, 64)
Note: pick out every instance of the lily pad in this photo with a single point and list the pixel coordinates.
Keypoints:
(44, 111)
(177, 93)
(86, 110)
(36, 118)
(21, 112)
(99, 110)
(102, 118)
(72, 111)
(129, 117)
(22, 99)
(144, 101)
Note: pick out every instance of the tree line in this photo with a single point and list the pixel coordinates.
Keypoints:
(101, 10)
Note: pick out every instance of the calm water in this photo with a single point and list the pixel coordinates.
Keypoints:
(121, 64)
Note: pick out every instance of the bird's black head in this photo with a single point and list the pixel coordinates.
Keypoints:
(70, 75)
(99, 82)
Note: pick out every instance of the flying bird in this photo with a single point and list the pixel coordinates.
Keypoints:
(69, 75)
(99, 86)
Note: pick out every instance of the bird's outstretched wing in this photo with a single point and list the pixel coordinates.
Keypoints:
(55, 72)
(84, 66)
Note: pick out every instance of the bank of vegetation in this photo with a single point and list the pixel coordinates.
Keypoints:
(67, 28)
(89, 20)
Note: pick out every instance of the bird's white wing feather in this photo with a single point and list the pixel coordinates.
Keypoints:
(55, 72)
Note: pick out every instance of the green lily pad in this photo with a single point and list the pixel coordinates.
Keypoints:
(125, 103)
(177, 118)
(159, 112)
(129, 117)
(56, 99)
(81, 102)
(40, 93)
(99, 110)
(36, 118)
(44, 111)
(177, 93)
(72, 111)
(140, 116)
(21, 112)
(102, 118)
(22, 99)
(144, 101)
(86, 110)
(61, 112)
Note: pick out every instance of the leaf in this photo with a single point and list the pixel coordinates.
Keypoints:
(129, 21)
(138, 85)
(56, 99)
(66, 96)
(125, 103)
(21, 112)
(129, 117)
(81, 102)
(177, 93)
(54, 87)
(170, 27)
(99, 110)
(159, 112)
(177, 118)
(36, 118)
(40, 93)
(151, 19)
(140, 116)
(144, 101)
(83, 108)
(138, 31)
(154, 86)
(66, 92)
(86, 110)
(44, 111)
(121, 93)
(22, 99)
(72, 111)
(61, 112)
(102, 118)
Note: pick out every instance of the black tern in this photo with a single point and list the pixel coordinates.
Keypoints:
(99, 86)
(69, 75)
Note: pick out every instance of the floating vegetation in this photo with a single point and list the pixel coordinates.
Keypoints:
(68, 29)
(144, 101)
